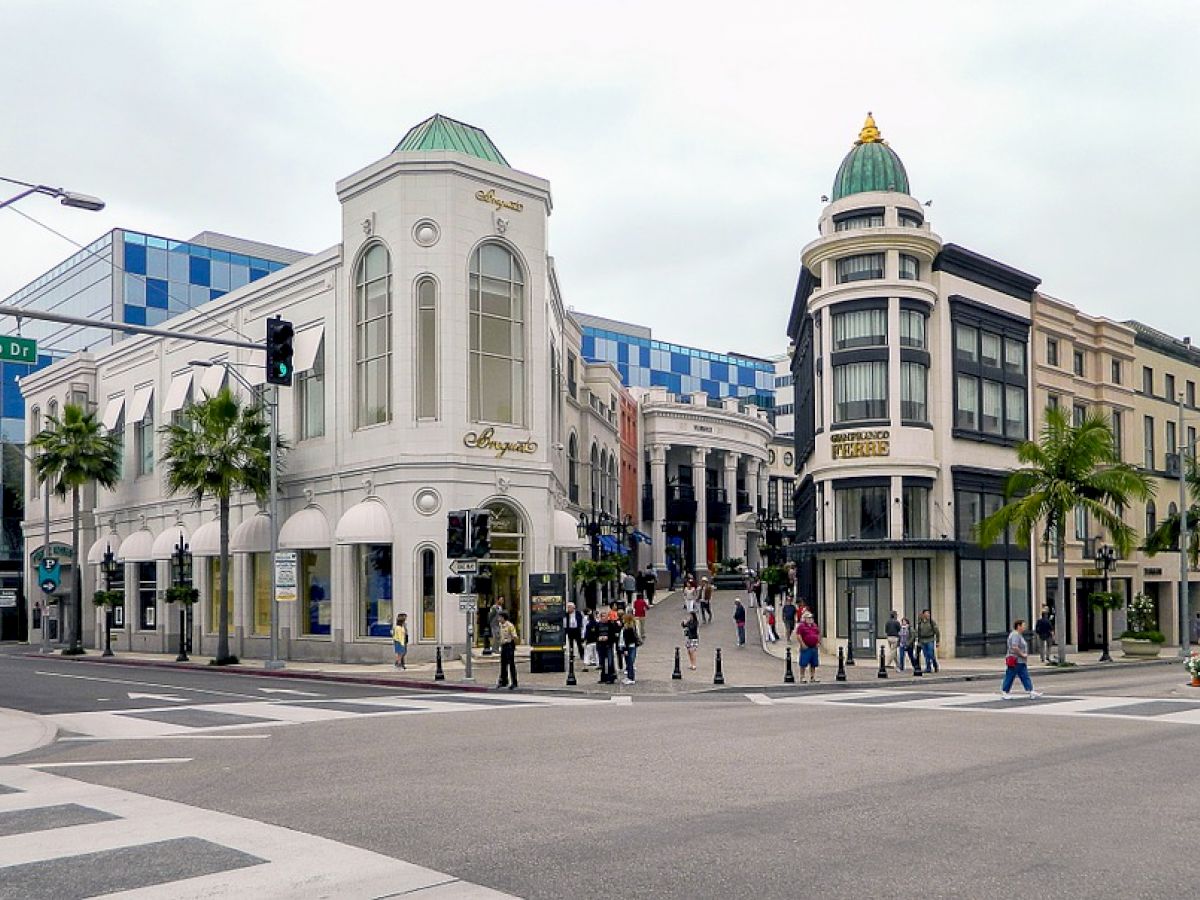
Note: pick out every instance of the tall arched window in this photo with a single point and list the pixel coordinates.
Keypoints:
(427, 590)
(594, 468)
(1151, 517)
(497, 338)
(373, 337)
(573, 468)
(603, 480)
(427, 389)
(612, 484)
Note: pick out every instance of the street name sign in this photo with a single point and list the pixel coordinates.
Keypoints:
(464, 566)
(285, 576)
(467, 602)
(18, 350)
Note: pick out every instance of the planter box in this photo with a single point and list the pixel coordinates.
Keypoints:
(1140, 648)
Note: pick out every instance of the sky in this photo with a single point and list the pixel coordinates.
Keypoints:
(687, 143)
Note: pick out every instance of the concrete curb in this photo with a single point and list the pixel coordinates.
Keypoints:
(21, 732)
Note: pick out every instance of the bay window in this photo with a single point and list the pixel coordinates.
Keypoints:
(860, 328)
(990, 374)
(910, 267)
(861, 512)
(912, 329)
(859, 268)
(860, 391)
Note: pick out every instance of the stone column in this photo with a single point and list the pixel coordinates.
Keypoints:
(763, 484)
(731, 467)
(700, 487)
(658, 484)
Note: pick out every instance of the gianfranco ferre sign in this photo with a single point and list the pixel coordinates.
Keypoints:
(486, 440)
(489, 196)
(856, 444)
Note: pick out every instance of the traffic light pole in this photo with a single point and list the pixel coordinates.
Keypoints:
(468, 674)
(273, 512)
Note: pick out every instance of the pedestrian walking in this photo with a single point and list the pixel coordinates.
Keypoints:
(1045, 634)
(1017, 663)
(928, 637)
(573, 622)
(606, 637)
(706, 592)
(772, 635)
(891, 631)
(691, 638)
(400, 640)
(808, 635)
(789, 617)
(907, 648)
(614, 633)
(651, 583)
(639, 614)
(591, 658)
(508, 653)
(739, 620)
(632, 640)
(629, 586)
(691, 602)
(493, 621)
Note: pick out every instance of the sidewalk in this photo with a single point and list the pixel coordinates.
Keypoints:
(21, 732)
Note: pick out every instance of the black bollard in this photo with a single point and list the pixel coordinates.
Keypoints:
(916, 661)
(789, 677)
(841, 673)
(676, 675)
(849, 652)
(718, 677)
(882, 665)
(438, 674)
(571, 667)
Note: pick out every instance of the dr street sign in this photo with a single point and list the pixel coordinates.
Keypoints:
(464, 566)
(18, 350)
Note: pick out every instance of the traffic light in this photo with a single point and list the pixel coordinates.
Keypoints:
(279, 351)
(49, 575)
(481, 541)
(483, 583)
(456, 584)
(456, 534)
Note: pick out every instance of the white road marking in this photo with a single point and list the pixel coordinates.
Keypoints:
(165, 698)
(760, 699)
(172, 737)
(170, 687)
(621, 699)
(289, 691)
(112, 762)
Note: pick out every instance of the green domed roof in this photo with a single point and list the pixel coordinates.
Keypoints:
(440, 132)
(871, 166)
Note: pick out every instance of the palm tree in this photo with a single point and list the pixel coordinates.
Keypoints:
(1166, 536)
(219, 446)
(1068, 466)
(72, 452)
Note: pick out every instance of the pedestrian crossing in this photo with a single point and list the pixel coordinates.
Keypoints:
(230, 718)
(62, 839)
(1167, 711)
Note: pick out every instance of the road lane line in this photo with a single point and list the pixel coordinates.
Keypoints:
(760, 699)
(111, 762)
(170, 687)
(170, 737)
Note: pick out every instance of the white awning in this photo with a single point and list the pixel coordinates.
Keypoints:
(207, 539)
(112, 541)
(366, 522)
(307, 529)
(140, 403)
(252, 536)
(164, 544)
(112, 412)
(212, 380)
(138, 547)
(256, 368)
(306, 345)
(177, 392)
(566, 531)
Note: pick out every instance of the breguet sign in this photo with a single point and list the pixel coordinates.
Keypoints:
(855, 444)
(489, 196)
(486, 440)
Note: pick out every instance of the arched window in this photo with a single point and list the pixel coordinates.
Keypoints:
(595, 477)
(373, 337)
(506, 559)
(427, 388)
(612, 484)
(1151, 517)
(603, 479)
(427, 573)
(497, 336)
(573, 468)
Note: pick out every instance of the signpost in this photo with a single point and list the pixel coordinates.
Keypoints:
(18, 350)
(285, 576)
(465, 567)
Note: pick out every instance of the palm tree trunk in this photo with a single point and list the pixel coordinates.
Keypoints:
(1060, 596)
(76, 645)
(223, 605)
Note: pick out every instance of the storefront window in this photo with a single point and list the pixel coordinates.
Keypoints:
(147, 575)
(916, 511)
(375, 589)
(506, 559)
(260, 577)
(428, 594)
(214, 596)
(317, 614)
(861, 512)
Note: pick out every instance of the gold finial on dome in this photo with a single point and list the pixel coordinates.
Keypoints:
(869, 134)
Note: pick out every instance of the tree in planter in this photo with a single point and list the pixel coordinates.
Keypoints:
(1140, 620)
(217, 447)
(70, 453)
(583, 574)
(773, 577)
(1068, 466)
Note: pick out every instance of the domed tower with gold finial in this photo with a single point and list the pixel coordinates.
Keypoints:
(871, 166)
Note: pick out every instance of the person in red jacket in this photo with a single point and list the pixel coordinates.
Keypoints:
(639, 613)
(809, 637)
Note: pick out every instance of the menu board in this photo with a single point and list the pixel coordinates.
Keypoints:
(547, 606)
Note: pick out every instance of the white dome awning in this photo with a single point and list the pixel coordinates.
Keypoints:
(138, 547)
(207, 539)
(566, 531)
(366, 522)
(307, 529)
(112, 541)
(252, 536)
(164, 544)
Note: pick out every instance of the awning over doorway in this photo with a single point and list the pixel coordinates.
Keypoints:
(112, 541)
(366, 522)
(566, 531)
(307, 529)
(138, 547)
(252, 536)
(207, 539)
(164, 544)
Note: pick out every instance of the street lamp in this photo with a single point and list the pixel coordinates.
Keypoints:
(73, 199)
(770, 525)
(1106, 561)
(108, 565)
(181, 562)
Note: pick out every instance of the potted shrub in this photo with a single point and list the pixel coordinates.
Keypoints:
(1141, 638)
(774, 577)
(1192, 664)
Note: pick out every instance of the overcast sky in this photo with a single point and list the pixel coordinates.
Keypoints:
(687, 144)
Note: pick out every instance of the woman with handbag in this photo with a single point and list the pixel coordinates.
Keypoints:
(1017, 662)
(632, 640)
(691, 638)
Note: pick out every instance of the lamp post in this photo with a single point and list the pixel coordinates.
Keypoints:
(1106, 561)
(849, 626)
(66, 198)
(1184, 644)
(770, 525)
(181, 562)
(109, 565)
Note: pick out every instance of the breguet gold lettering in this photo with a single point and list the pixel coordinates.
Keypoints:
(489, 196)
(486, 440)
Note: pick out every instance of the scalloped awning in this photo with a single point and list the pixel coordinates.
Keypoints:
(366, 522)
(307, 529)
(138, 547)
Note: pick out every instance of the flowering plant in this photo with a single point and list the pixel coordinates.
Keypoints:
(1142, 613)
(1192, 664)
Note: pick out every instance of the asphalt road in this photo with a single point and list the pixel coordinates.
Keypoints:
(703, 796)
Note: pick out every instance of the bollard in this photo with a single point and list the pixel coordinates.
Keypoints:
(841, 673)
(438, 674)
(789, 677)
(916, 661)
(676, 675)
(882, 665)
(571, 667)
(718, 677)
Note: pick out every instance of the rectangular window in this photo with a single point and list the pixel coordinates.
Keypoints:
(996, 587)
(860, 328)
(970, 595)
(908, 220)
(310, 393)
(913, 381)
(861, 513)
(966, 403)
(1051, 352)
(374, 578)
(1078, 414)
(1191, 394)
(1081, 523)
(788, 485)
(144, 441)
(260, 577)
(1052, 401)
(427, 386)
(1147, 381)
(1148, 442)
(860, 391)
(853, 223)
(147, 582)
(910, 268)
(572, 365)
(1118, 437)
(1171, 445)
(916, 512)
(968, 513)
(373, 338)
(1169, 388)
(966, 344)
(1077, 362)
(992, 408)
(916, 587)
(912, 329)
(1014, 356)
(315, 585)
(1014, 412)
(1191, 441)
(859, 268)
(1116, 371)
(989, 350)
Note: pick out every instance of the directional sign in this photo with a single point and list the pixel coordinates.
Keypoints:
(464, 566)
(467, 602)
(18, 350)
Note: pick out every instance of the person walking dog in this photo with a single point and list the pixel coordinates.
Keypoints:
(1017, 663)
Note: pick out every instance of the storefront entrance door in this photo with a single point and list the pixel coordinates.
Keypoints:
(1089, 621)
(862, 615)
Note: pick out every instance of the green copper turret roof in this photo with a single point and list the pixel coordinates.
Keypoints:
(871, 166)
(443, 133)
